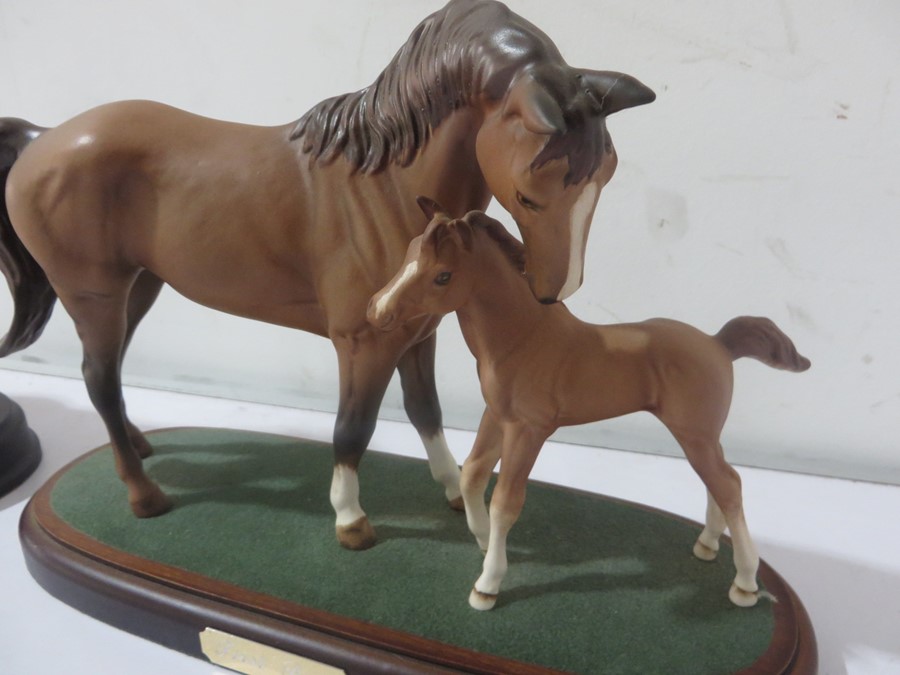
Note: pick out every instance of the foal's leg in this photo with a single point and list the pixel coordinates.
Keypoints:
(724, 485)
(420, 399)
(143, 294)
(707, 545)
(520, 450)
(100, 319)
(476, 474)
(365, 368)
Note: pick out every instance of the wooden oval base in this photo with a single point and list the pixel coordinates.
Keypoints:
(20, 451)
(595, 584)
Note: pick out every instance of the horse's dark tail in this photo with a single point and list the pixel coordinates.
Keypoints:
(32, 294)
(760, 339)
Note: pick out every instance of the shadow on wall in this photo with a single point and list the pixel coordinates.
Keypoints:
(854, 608)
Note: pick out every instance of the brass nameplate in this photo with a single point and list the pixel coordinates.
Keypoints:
(252, 658)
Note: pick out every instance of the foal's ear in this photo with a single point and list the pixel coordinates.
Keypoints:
(464, 233)
(443, 233)
(480, 219)
(429, 206)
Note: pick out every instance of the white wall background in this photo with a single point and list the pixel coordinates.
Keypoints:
(762, 181)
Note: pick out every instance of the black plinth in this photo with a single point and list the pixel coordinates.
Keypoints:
(20, 451)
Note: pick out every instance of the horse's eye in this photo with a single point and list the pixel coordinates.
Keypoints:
(527, 203)
(443, 278)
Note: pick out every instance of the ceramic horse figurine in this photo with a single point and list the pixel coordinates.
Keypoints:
(298, 225)
(542, 368)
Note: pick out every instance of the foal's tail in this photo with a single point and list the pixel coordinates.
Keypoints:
(32, 294)
(760, 339)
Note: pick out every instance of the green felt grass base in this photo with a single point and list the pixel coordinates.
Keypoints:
(593, 585)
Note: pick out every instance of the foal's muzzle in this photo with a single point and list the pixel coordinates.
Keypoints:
(385, 320)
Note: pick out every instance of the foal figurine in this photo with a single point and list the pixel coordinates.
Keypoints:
(542, 368)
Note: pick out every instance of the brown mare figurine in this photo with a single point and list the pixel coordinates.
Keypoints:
(299, 225)
(541, 368)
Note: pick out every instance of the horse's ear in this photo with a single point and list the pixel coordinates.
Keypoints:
(616, 91)
(429, 206)
(539, 111)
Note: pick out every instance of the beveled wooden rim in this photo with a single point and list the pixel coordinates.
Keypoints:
(53, 545)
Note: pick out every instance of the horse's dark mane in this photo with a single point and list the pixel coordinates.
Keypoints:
(468, 49)
(441, 68)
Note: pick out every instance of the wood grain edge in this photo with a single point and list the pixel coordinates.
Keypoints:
(61, 555)
(174, 618)
(59, 552)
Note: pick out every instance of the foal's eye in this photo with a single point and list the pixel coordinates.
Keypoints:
(443, 278)
(527, 203)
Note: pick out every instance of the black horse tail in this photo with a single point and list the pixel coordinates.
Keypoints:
(32, 294)
(760, 339)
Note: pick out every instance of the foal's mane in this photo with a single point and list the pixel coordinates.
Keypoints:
(467, 50)
(512, 248)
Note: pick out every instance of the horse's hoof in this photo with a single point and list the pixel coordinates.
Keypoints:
(153, 504)
(357, 536)
(457, 504)
(704, 552)
(742, 598)
(482, 601)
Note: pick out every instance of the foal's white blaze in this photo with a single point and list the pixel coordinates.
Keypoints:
(345, 495)
(579, 224)
(383, 302)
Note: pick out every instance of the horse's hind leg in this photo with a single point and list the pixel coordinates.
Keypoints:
(420, 399)
(102, 324)
(143, 294)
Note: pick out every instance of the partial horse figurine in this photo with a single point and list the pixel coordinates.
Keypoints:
(541, 368)
(298, 225)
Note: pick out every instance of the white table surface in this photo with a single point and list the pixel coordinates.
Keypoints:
(836, 542)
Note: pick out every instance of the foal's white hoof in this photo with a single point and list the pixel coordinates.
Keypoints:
(742, 598)
(482, 601)
(704, 552)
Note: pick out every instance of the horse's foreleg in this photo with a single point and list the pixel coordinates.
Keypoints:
(707, 544)
(143, 294)
(476, 474)
(100, 319)
(365, 368)
(520, 450)
(420, 399)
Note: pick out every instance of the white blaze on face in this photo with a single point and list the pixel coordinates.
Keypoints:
(579, 224)
(383, 302)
